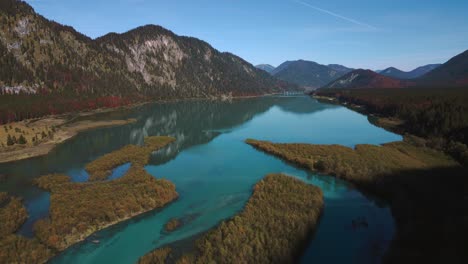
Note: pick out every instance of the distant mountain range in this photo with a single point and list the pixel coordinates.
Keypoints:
(450, 74)
(37, 54)
(454, 72)
(416, 73)
(309, 74)
(365, 79)
(266, 67)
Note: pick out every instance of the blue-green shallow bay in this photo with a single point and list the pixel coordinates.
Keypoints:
(214, 171)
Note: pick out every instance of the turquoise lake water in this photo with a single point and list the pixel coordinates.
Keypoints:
(214, 172)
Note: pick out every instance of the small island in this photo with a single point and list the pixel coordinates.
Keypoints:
(172, 225)
(101, 168)
(274, 226)
(79, 209)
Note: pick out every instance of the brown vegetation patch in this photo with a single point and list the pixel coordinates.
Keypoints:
(365, 164)
(101, 168)
(157, 256)
(14, 248)
(426, 190)
(79, 209)
(272, 228)
(172, 225)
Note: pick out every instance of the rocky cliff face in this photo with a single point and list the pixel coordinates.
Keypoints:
(41, 55)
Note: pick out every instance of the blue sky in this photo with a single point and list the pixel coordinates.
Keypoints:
(370, 34)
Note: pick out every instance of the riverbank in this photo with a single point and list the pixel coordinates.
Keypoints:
(78, 209)
(42, 135)
(278, 219)
(391, 124)
(425, 189)
(438, 115)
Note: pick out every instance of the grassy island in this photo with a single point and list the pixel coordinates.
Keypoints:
(101, 168)
(276, 222)
(365, 164)
(15, 248)
(79, 209)
(426, 190)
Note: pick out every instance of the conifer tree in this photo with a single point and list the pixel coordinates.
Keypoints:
(10, 141)
(22, 140)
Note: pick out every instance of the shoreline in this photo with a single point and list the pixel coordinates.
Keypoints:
(69, 128)
(66, 132)
(389, 124)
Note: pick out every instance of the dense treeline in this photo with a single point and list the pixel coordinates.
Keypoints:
(100, 168)
(80, 209)
(426, 112)
(18, 249)
(425, 190)
(273, 227)
(13, 247)
(437, 114)
(25, 106)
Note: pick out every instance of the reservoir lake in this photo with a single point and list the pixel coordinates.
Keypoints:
(214, 172)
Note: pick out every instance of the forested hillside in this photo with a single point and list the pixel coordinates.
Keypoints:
(308, 73)
(57, 69)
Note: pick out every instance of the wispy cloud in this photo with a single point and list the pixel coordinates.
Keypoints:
(354, 21)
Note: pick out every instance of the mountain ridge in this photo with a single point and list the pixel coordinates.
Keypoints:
(266, 67)
(361, 78)
(407, 75)
(39, 55)
(309, 74)
(453, 72)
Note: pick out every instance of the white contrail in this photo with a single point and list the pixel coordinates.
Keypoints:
(335, 14)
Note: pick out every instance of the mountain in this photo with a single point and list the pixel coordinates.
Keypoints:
(394, 73)
(453, 73)
(266, 67)
(39, 56)
(399, 74)
(340, 68)
(365, 79)
(282, 67)
(420, 71)
(308, 73)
